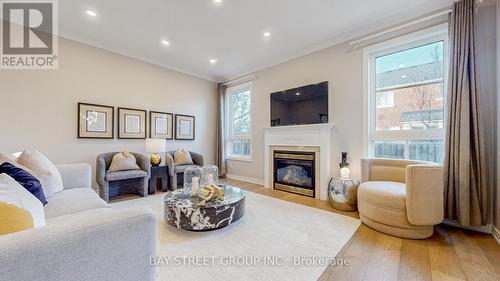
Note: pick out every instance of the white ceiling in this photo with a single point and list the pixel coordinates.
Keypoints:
(231, 31)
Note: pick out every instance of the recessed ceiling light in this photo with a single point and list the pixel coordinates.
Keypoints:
(267, 34)
(165, 42)
(91, 13)
(213, 60)
(217, 1)
(403, 76)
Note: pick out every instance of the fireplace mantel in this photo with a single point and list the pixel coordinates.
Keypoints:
(301, 137)
(323, 126)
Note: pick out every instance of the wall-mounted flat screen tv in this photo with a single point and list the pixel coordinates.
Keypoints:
(299, 106)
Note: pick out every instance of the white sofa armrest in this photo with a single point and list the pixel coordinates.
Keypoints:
(76, 175)
(107, 244)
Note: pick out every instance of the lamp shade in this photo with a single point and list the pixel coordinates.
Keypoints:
(156, 145)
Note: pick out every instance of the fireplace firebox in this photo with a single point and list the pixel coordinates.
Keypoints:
(295, 172)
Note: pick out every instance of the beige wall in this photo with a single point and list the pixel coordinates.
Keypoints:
(38, 109)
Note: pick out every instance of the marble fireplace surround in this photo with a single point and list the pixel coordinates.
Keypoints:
(305, 138)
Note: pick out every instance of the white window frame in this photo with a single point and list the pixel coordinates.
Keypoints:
(230, 91)
(423, 37)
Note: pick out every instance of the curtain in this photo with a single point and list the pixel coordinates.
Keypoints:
(465, 185)
(221, 130)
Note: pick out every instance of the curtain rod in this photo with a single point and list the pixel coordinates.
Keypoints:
(248, 77)
(356, 42)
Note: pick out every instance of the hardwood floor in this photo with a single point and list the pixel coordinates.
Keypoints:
(450, 254)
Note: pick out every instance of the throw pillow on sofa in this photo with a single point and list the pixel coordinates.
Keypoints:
(13, 193)
(14, 219)
(24, 178)
(43, 169)
(45, 179)
(123, 161)
(182, 157)
(7, 158)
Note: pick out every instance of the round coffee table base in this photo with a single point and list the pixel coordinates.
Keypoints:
(205, 219)
(190, 213)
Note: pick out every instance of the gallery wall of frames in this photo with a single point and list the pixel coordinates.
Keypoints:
(97, 121)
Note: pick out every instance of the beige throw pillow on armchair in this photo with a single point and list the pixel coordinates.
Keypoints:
(123, 161)
(182, 157)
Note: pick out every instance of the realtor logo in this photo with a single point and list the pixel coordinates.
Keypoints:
(29, 35)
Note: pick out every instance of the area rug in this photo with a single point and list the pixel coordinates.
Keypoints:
(275, 240)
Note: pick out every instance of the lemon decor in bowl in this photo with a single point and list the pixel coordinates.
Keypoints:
(211, 192)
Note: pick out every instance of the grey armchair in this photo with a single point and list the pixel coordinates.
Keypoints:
(121, 182)
(176, 172)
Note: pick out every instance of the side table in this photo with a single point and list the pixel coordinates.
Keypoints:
(343, 194)
(158, 172)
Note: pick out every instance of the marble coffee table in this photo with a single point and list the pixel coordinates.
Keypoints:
(186, 212)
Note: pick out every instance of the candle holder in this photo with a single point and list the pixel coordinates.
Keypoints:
(189, 174)
(210, 175)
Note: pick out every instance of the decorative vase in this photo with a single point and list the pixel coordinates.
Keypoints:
(155, 159)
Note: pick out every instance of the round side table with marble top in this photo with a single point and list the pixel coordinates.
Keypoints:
(184, 211)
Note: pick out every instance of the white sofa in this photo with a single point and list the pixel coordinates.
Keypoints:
(84, 239)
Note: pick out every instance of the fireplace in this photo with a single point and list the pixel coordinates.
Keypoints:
(294, 172)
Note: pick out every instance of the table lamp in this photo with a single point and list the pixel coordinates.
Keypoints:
(344, 167)
(155, 146)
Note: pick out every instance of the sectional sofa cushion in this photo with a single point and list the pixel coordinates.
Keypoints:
(72, 201)
(14, 219)
(13, 193)
(123, 161)
(125, 175)
(27, 180)
(43, 169)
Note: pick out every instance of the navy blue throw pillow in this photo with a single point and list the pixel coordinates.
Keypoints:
(25, 179)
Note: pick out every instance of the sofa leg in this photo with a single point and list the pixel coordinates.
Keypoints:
(143, 190)
(173, 182)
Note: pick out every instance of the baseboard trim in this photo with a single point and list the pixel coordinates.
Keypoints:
(484, 229)
(245, 179)
(496, 234)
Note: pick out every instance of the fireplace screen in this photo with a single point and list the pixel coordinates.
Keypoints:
(294, 172)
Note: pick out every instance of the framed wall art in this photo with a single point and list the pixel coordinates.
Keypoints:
(95, 121)
(161, 125)
(184, 127)
(131, 123)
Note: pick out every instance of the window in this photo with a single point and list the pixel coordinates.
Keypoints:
(385, 99)
(406, 96)
(239, 100)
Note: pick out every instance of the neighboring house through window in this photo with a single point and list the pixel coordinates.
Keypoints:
(239, 103)
(385, 99)
(405, 96)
